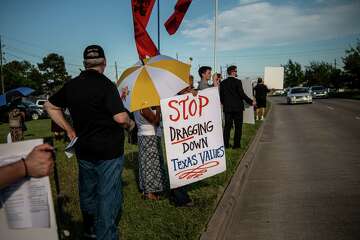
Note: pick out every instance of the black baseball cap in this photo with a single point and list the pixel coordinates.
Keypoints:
(93, 52)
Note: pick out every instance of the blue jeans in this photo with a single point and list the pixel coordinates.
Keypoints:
(100, 190)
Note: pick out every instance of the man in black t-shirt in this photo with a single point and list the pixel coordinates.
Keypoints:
(260, 90)
(99, 118)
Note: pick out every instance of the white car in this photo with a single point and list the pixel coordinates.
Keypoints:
(40, 102)
(299, 95)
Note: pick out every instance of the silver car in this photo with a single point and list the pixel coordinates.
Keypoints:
(299, 95)
(318, 92)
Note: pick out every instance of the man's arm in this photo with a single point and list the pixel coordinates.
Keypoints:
(221, 91)
(124, 120)
(38, 163)
(57, 116)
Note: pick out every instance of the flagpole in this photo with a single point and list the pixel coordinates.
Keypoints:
(158, 24)
(215, 31)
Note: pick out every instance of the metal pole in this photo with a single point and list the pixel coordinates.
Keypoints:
(158, 24)
(215, 31)
(1, 68)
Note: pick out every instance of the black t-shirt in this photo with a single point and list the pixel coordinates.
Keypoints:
(260, 91)
(93, 100)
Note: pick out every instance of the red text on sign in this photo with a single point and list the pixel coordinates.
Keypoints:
(184, 108)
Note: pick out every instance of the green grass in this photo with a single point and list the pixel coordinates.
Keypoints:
(142, 219)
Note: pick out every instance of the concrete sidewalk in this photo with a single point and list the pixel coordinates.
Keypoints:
(217, 226)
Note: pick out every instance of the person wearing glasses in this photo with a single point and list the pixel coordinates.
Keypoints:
(232, 97)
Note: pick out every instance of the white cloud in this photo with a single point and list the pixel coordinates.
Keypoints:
(251, 24)
(248, 1)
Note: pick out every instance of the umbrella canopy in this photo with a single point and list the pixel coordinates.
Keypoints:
(14, 94)
(151, 80)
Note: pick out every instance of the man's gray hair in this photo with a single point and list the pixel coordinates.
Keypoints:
(94, 62)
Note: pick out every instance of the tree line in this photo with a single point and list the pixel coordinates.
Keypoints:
(326, 74)
(45, 77)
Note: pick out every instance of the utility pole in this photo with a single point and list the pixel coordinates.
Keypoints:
(116, 72)
(177, 56)
(158, 24)
(335, 63)
(1, 68)
(215, 31)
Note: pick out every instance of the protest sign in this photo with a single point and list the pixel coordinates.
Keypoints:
(274, 77)
(193, 137)
(249, 116)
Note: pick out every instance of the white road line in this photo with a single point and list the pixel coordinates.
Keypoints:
(331, 108)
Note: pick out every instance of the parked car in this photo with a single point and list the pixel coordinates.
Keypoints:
(40, 102)
(319, 92)
(299, 95)
(278, 92)
(31, 110)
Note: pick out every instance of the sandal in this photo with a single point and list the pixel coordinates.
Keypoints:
(150, 196)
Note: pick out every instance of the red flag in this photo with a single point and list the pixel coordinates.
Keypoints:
(142, 10)
(141, 13)
(174, 21)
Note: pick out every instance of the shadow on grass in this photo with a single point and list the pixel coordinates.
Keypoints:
(131, 163)
(66, 221)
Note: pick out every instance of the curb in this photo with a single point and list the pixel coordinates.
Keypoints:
(217, 226)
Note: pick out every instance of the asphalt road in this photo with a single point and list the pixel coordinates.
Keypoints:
(305, 181)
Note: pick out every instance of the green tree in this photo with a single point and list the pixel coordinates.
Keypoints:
(53, 69)
(352, 65)
(22, 73)
(293, 74)
(321, 73)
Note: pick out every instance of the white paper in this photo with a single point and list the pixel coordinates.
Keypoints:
(249, 116)
(26, 202)
(193, 156)
(70, 148)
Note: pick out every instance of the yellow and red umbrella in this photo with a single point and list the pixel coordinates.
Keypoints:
(144, 84)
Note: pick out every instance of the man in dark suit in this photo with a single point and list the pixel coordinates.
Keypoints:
(232, 96)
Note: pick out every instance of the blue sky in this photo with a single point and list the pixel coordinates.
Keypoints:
(252, 34)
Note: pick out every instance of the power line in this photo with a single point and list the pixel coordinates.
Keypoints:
(37, 56)
(25, 52)
(23, 59)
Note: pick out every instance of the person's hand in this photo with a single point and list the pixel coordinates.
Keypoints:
(194, 92)
(39, 161)
(254, 103)
(124, 93)
(131, 125)
(216, 80)
(71, 134)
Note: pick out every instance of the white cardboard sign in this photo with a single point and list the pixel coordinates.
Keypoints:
(274, 77)
(193, 137)
(249, 116)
